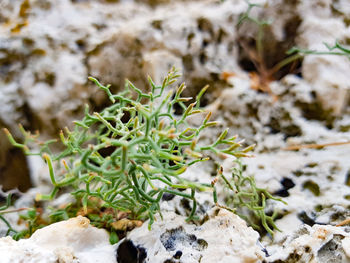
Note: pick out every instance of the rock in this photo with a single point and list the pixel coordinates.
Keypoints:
(71, 241)
(223, 236)
(327, 73)
(346, 246)
(256, 117)
(43, 85)
(314, 244)
(44, 70)
(195, 36)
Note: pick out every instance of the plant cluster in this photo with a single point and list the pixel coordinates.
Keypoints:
(124, 158)
(248, 200)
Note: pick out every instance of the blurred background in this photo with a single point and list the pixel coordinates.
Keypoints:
(49, 48)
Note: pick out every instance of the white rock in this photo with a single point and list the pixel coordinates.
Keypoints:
(320, 243)
(224, 236)
(71, 241)
(346, 246)
(327, 73)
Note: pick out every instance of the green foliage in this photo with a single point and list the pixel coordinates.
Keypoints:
(246, 195)
(113, 238)
(258, 55)
(30, 217)
(337, 49)
(3, 210)
(246, 15)
(149, 149)
(261, 23)
(292, 55)
(127, 156)
(124, 158)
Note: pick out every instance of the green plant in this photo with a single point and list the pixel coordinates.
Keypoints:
(248, 200)
(337, 49)
(149, 148)
(123, 159)
(31, 219)
(264, 74)
(4, 210)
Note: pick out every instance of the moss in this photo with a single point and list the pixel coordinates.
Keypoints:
(313, 187)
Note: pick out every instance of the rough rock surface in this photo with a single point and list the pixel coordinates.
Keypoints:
(71, 241)
(44, 68)
(313, 182)
(49, 64)
(314, 244)
(223, 236)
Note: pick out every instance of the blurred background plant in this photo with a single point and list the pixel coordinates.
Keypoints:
(259, 57)
(262, 68)
(337, 49)
(248, 200)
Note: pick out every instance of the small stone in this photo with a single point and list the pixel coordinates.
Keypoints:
(323, 243)
(178, 254)
(126, 224)
(74, 240)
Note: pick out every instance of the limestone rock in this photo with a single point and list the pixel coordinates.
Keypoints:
(320, 243)
(223, 236)
(327, 73)
(44, 69)
(195, 36)
(71, 241)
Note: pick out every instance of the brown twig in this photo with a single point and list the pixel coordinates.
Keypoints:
(313, 146)
(344, 222)
(13, 210)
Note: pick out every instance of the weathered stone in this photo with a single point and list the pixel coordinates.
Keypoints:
(71, 241)
(223, 236)
(314, 244)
